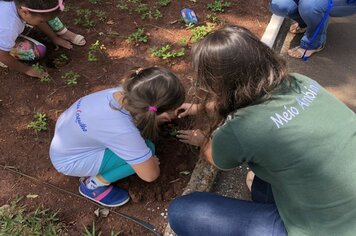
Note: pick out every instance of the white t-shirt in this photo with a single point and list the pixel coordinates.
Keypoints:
(87, 128)
(11, 25)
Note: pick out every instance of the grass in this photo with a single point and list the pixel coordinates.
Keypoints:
(16, 219)
(166, 52)
(94, 232)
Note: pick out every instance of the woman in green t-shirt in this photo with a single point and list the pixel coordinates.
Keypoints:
(298, 139)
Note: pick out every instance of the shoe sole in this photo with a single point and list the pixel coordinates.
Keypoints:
(103, 204)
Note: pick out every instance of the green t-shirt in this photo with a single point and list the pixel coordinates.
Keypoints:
(303, 142)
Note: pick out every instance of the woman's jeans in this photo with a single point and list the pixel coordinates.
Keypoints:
(309, 13)
(202, 213)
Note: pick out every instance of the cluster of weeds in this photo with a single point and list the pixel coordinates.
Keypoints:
(199, 32)
(71, 77)
(39, 122)
(88, 18)
(94, 49)
(40, 69)
(144, 10)
(218, 6)
(16, 219)
(137, 36)
(166, 52)
(94, 232)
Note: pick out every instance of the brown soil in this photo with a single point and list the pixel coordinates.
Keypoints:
(21, 96)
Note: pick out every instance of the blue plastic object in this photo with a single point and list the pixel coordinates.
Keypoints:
(189, 16)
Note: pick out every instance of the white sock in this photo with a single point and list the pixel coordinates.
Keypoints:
(93, 183)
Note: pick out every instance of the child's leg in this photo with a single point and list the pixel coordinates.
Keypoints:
(114, 168)
(59, 28)
(28, 49)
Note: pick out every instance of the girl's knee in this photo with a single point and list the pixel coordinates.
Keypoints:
(283, 8)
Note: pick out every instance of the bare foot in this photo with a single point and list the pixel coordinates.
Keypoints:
(249, 179)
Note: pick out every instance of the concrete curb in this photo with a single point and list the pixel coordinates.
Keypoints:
(204, 174)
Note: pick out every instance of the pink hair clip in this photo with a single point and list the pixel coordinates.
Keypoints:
(60, 6)
(152, 108)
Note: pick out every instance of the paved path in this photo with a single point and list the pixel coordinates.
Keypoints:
(334, 68)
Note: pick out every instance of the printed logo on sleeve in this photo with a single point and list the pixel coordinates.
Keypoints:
(309, 94)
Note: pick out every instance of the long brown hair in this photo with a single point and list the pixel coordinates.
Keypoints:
(234, 69)
(151, 87)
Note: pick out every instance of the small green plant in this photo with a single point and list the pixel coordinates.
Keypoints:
(218, 6)
(145, 12)
(93, 49)
(71, 77)
(183, 42)
(137, 36)
(101, 15)
(16, 219)
(94, 232)
(214, 18)
(164, 3)
(40, 69)
(61, 60)
(199, 32)
(165, 52)
(85, 18)
(39, 123)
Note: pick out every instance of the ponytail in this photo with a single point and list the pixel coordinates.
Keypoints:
(148, 93)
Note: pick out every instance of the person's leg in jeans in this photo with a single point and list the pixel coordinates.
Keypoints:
(287, 9)
(203, 213)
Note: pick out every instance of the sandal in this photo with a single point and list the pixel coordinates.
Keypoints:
(296, 29)
(298, 52)
(78, 40)
(109, 196)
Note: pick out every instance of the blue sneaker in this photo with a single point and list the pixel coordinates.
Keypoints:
(109, 196)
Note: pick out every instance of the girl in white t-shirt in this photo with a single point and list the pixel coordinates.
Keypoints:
(102, 135)
(14, 14)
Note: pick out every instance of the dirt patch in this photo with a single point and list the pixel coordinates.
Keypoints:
(21, 96)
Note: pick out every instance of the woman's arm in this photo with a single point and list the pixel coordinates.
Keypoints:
(16, 65)
(45, 28)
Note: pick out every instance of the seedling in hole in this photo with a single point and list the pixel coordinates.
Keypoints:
(137, 36)
(218, 6)
(40, 69)
(165, 52)
(174, 131)
(39, 123)
(61, 60)
(71, 77)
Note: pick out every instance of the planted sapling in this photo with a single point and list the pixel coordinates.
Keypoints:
(218, 6)
(71, 77)
(39, 123)
(93, 49)
(165, 52)
(40, 69)
(199, 32)
(137, 36)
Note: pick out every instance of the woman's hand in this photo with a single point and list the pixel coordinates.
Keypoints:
(186, 109)
(37, 74)
(58, 41)
(192, 137)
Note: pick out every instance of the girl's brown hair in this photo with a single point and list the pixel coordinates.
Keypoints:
(153, 86)
(234, 69)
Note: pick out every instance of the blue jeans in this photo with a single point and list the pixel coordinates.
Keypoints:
(203, 213)
(309, 13)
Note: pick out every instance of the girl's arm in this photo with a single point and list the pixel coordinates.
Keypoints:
(16, 65)
(189, 109)
(45, 28)
(148, 170)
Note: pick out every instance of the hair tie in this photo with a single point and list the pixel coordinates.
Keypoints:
(139, 70)
(152, 108)
(60, 6)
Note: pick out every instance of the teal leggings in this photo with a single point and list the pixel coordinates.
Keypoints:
(114, 168)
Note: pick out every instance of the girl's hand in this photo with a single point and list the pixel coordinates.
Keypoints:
(58, 41)
(34, 73)
(186, 109)
(192, 137)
